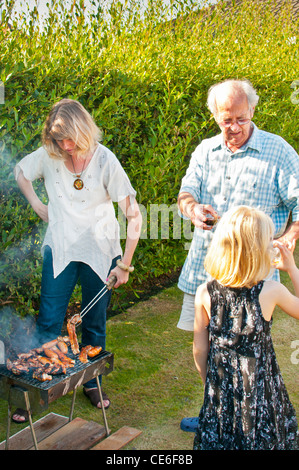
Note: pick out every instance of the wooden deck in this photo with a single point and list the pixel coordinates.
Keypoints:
(56, 432)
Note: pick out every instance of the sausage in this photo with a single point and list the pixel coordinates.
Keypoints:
(59, 363)
(63, 358)
(50, 344)
(63, 347)
(71, 328)
(94, 351)
(83, 354)
(49, 353)
(44, 360)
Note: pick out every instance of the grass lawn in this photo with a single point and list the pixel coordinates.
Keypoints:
(154, 383)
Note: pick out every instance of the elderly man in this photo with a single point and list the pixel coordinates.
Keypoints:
(241, 165)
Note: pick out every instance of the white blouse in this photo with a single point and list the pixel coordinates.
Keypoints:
(82, 223)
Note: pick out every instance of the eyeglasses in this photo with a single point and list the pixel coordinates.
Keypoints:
(240, 122)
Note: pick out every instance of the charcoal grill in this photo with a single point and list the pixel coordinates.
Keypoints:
(25, 392)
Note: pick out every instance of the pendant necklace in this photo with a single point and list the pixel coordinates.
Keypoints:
(78, 183)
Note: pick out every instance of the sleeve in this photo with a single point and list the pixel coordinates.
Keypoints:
(31, 165)
(289, 180)
(117, 182)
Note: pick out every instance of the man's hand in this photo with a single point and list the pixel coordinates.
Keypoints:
(200, 214)
(204, 216)
(290, 236)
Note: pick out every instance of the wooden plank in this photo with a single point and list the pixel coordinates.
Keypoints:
(76, 435)
(119, 439)
(43, 428)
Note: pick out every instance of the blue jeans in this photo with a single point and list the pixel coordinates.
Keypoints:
(55, 297)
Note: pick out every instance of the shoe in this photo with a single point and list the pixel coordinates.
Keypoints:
(94, 397)
(189, 424)
(22, 413)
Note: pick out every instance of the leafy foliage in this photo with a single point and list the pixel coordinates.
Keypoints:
(143, 73)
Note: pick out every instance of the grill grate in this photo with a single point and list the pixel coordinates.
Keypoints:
(43, 393)
(26, 378)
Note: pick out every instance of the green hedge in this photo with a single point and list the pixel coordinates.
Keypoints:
(144, 76)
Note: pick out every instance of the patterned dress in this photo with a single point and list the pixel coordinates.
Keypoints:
(246, 405)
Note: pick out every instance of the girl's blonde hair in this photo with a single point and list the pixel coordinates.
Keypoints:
(241, 253)
(68, 119)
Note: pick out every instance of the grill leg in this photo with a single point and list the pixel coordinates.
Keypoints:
(8, 425)
(27, 403)
(30, 419)
(73, 404)
(102, 405)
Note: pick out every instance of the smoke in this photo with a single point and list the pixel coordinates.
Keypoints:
(16, 334)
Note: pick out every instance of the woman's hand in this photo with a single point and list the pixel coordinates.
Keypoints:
(121, 276)
(134, 218)
(41, 210)
(31, 196)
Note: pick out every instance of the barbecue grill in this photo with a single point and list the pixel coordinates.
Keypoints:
(25, 392)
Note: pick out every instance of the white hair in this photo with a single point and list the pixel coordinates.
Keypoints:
(228, 86)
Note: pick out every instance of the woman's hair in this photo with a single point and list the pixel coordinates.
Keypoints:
(68, 119)
(241, 252)
(231, 86)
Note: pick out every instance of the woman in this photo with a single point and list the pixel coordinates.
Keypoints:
(82, 179)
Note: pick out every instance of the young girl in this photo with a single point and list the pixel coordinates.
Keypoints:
(246, 405)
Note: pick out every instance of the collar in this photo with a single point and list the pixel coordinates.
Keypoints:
(253, 142)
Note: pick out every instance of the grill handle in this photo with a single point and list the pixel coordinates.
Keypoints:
(111, 282)
(108, 286)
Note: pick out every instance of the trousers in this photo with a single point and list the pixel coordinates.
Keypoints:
(55, 297)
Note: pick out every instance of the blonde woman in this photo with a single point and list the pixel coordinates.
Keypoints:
(82, 179)
(246, 405)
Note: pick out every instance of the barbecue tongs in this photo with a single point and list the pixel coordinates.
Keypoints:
(108, 286)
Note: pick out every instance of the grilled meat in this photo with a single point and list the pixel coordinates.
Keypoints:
(41, 375)
(63, 347)
(94, 351)
(89, 351)
(51, 358)
(83, 354)
(71, 329)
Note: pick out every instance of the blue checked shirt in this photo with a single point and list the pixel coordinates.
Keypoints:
(264, 173)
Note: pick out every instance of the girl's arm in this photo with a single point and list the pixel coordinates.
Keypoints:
(287, 263)
(31, 196)
(275, 293)
(201, 334)
(134, 218)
